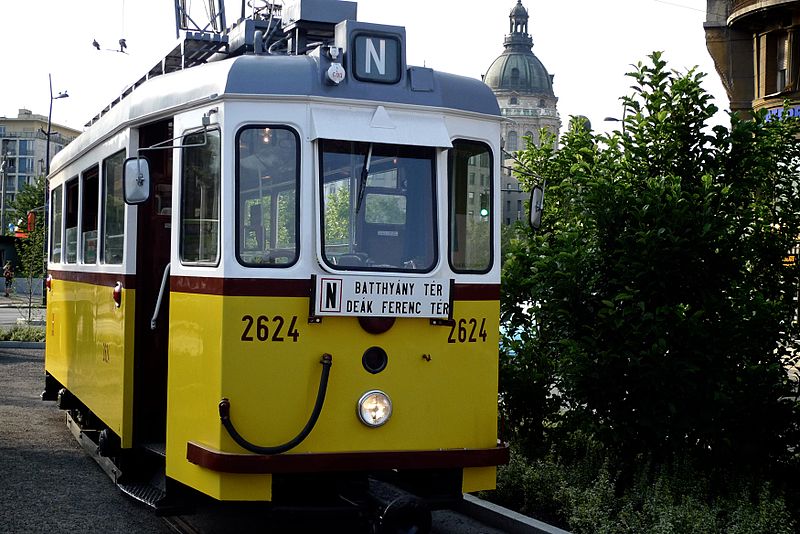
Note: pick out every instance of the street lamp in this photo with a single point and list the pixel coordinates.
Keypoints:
(62, 94)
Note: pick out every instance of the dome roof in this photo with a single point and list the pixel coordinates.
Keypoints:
(519, 10)
(521, 72)
(518, 69)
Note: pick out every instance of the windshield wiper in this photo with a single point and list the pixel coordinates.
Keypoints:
(362, 183)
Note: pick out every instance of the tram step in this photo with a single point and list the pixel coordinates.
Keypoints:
(159, 449)
(145, 493)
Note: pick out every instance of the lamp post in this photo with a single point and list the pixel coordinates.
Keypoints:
(62, 94)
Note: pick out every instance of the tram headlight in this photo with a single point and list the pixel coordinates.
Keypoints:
(374, 408)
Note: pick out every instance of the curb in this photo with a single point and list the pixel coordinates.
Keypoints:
(21, 345)
(504, 519)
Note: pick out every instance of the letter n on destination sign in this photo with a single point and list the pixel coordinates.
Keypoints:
(330, 295)
(377, 58)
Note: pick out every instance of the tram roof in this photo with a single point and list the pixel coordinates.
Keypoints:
(282, 76)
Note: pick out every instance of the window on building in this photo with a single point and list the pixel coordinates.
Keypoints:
(513, 101)
(781, 52)
(55, 224)
(25, 165)
(541, 103)
(512, 141)
(113, 223)
(9, 147)
(89, 211)
(25, 148)
(470, 232)
(200, 198)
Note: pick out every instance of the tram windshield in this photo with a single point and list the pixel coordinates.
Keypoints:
(378, 207)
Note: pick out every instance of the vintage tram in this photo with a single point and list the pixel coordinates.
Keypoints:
(274, 264)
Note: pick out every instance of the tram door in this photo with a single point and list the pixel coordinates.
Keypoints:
(152, 258)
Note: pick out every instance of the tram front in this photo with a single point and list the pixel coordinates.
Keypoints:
(351, 326)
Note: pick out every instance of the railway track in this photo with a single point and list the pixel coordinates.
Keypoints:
(472, 516)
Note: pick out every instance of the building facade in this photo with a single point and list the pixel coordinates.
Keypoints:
(23, 147)
(755, 45)
(524, 91)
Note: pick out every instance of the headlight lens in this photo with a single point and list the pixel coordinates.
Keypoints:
(374, 408)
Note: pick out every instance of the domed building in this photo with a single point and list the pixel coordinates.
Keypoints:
(523, 87)
(524, 91)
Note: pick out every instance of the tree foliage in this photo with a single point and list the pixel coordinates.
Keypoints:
(30, 250)
(655, 307)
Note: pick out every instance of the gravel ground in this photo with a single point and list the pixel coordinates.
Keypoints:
(47, 483)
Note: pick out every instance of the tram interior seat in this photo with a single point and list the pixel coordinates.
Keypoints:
(357, 259)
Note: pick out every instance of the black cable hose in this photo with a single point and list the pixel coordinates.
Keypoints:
(225, 417)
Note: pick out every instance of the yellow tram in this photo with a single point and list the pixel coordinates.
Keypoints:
(276, 267)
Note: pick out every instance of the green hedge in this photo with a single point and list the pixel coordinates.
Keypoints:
(23, 333)
(589, 495)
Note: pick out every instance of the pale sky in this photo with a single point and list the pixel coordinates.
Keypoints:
(587, 44)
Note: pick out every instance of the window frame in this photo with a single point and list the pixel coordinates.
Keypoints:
(64, 248)
(450, 211)
(53, 207)
(103, 210)
(181, 236)
(93, 171)
(237, 190)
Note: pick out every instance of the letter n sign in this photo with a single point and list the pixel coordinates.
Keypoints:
(330, 295)
(376, 58)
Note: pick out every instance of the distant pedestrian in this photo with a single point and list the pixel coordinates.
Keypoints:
(8, 274)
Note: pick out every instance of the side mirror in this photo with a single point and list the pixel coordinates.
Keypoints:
(537, 200)
(136, 180)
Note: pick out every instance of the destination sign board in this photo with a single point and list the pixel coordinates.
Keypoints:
(382, 297)
(376, 58)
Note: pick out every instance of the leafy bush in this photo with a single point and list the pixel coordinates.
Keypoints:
(654, 308)
(681, 497)
(23, 333)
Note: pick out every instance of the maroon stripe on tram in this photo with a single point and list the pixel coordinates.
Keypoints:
(476, 292)
(248, 287)
(226, 462)
(99, 279)
(241, 287)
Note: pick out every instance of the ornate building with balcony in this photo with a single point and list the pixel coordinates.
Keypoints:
(23, 145)
(524, 91)
(755, 45)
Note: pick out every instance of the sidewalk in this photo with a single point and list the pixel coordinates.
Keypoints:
(16, 300)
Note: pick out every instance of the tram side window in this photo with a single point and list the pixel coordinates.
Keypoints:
(113, 224)
(267, 174)
(56, 224)
(470, 207)
(383, 219)
(91, 179)
(71, 221)
(200, 191)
